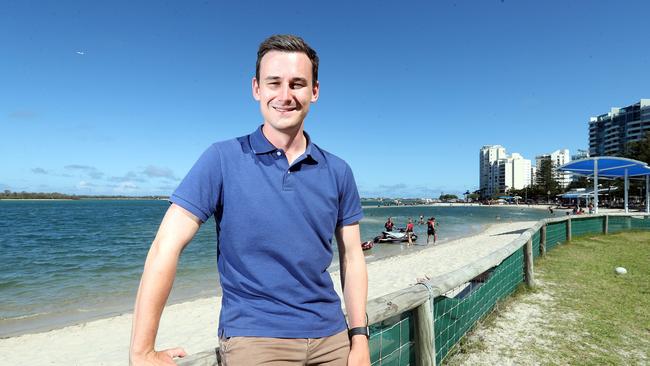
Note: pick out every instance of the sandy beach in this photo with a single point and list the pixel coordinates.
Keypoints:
(193, 324)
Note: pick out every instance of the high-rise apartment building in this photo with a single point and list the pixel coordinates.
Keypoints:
(521, 174)
(610, 133)
(557, 158)
(488, 179)
(500, 172)
(533, 174)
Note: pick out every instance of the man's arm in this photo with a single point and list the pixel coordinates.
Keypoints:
(176, 231)
(354, 280)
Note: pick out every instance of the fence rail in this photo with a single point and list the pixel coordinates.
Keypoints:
(420, 324)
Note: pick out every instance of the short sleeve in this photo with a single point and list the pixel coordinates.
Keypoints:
(199, 192)
(349, 202)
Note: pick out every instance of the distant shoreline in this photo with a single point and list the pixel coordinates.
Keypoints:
(462, 204)
(89, 199)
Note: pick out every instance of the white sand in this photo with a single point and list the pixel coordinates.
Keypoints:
(193, 325)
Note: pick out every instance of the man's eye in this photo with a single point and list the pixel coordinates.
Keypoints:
(297, 86)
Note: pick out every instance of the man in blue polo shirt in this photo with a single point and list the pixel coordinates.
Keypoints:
(277, 199)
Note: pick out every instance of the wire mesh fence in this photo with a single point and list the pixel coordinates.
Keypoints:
(392, 341)
(640, 222)
(536, 243)
(555, 234)
(458, 310)
(585, 226)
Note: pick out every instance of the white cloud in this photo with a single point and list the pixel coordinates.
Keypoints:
(91, 171)
(125, 187)
(153, 171)
(85, 185)
(128, 177)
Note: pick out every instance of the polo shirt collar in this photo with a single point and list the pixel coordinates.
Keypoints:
(261, 145)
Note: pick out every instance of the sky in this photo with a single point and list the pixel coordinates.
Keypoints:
(121, 97)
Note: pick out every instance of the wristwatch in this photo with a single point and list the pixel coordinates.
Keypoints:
(358, 331)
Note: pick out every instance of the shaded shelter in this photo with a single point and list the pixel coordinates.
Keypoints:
(611, 167)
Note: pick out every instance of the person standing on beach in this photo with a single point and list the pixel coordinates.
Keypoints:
(279, 305)
(434, 223)
(409, 231)
(389, 224)
(431, 230)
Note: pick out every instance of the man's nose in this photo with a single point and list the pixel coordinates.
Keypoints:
(285, 92)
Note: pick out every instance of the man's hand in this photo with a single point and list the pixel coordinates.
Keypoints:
(164, 357)
(359, 351)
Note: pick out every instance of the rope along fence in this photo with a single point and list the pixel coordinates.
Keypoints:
(420, 325)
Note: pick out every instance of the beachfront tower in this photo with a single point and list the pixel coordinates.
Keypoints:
(499, 172)
(610, 133)
(558, 158)
(520, 172)
(488, 177)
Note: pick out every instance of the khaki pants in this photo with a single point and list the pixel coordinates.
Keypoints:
(252, 351)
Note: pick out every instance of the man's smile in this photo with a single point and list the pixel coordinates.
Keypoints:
(283, 109)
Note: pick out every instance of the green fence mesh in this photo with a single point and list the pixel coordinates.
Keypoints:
(536, 239)
(392, 341)
(619, 223)
(455, 315)
(640, 222)
(588, 225)
(555, 234)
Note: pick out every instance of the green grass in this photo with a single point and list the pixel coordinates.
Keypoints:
(585, 313)
(608, 314)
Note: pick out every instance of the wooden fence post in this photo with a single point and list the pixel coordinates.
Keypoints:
(528, 262)
(606, 225)
(568, 229)
(425, 347)
(542, 241)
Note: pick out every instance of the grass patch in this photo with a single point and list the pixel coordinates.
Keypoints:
(608, 314)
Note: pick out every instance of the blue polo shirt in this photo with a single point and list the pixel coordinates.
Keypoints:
(275, 225)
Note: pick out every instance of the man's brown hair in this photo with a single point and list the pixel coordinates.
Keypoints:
(287, 43)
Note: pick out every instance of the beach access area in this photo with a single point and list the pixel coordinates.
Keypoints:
(193, 324)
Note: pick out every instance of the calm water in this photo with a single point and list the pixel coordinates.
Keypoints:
(62, 262)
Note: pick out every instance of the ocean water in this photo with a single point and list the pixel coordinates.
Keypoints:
(63, 262)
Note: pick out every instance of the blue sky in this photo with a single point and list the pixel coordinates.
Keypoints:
(121, 97)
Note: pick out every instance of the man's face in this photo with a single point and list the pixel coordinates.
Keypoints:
(285, 89)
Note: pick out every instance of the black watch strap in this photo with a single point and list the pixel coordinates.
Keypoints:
(359, 331)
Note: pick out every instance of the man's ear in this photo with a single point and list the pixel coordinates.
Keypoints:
(315, 91)
(256, 89)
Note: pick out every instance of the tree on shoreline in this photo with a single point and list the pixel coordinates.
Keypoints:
(546, 182)
(7, 194)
